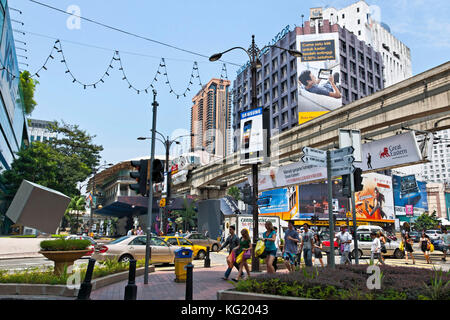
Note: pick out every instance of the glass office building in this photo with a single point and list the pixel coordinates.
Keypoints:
(13, 126)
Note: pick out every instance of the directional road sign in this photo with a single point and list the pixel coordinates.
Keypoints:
(314, 152)
(344, 161)
(321, 162)
(339, 171)
(340, 153)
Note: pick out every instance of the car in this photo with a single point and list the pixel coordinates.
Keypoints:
(128, 248)
(415, 236)
(199, 252)
(92, 247)
(325, 236)
(369, 228)
(434, 234)
(365, 245)
(202, 240)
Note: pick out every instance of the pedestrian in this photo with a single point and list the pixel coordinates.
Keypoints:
(375, 250)
(244, 245)
(307, 245)
(345, 240)
(382, 238)
(270, 251)
(317, 246)
(408, 242)
(277, 244)
(425, 246)
(130, 232)
(445, 242)
(290, 248)
(232, 242)
(139, 231)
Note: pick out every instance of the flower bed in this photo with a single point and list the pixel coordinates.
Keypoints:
(46, 275)
(350, 282)
(64, 245)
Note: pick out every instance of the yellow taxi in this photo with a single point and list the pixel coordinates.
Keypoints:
(199, 252)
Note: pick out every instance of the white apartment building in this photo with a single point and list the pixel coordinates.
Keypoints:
(38, 130)
(364, 21)
(438, 170)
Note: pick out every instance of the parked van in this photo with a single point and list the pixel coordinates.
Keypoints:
(369, 229)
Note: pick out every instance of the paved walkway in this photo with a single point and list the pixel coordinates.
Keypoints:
(161, 286)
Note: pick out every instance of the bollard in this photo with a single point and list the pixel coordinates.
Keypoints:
(131, 288)
(207, 259)
(189, 281)
(85, 288)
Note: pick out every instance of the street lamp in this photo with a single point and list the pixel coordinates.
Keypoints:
(167, 144)
(95, 170)
(253, 52)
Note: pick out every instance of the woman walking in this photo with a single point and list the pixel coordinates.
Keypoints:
(408, 242)
(317, 247)
(244, 245)
(425, 246)
(270, 236)
(382, 238)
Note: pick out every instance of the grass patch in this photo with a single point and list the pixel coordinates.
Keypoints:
(64, 245)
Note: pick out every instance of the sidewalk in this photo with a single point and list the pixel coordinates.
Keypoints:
(161, 286)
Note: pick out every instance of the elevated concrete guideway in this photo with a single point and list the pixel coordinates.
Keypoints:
(420, 103)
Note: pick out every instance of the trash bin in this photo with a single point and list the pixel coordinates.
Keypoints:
(183, 257)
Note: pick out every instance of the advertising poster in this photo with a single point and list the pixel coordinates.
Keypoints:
(278, 201)
(376, 200)
(252, 136)
(313, 199)
(384, 153)
(319, 75)
(409, 192)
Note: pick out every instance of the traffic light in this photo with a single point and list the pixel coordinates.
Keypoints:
(141, 176)
(157, 171)
(314, 219)
(346, 188)
(357, 178)
(247, 194)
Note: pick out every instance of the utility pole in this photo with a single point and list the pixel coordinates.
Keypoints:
(331, 262)
(150, 198)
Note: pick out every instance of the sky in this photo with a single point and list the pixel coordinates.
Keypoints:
(117, 115)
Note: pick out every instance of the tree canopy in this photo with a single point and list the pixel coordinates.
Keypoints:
(28, 85)
(426, 221)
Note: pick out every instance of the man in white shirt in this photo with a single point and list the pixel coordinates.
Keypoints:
(375, 250)
(345, 239)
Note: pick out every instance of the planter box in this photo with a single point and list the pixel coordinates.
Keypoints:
(230, 294)
(63, 290)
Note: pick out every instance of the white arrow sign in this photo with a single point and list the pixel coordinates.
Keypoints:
(321, 162)
(339, 171)
(314, 152)
(340, 153)
(339, 162)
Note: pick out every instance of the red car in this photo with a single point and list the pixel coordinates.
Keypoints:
(91, 247)
(326, 245)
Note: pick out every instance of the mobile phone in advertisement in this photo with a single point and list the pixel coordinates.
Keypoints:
(246, 135)
(325, 74)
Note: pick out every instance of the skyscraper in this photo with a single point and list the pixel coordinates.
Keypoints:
(365, 22)
(211, 118)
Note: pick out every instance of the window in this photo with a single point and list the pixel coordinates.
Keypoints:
(185, 242)
(173, 241)
(359, 21)
(343, 16)
(157, 242)
(285, 117)
(139, 241)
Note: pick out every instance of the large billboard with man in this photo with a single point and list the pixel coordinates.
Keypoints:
(319, 72)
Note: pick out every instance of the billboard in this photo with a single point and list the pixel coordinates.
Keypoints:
(252, 136)
(375, 201)
(313, 200)
(277, 201)
(409, 192)
(319, 74)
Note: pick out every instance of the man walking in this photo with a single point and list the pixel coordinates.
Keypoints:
(375, 251)
(345, 239)
(232, 242)
(291, 240)
(446, 242)
(307, 245)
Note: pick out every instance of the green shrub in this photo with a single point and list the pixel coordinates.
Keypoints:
(64, 245)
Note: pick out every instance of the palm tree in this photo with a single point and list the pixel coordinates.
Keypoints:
(188, 216)
(77, 204)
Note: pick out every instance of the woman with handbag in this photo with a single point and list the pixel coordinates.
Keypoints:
(242, 253)
(408, 242)
(425, 245)
(270, 236)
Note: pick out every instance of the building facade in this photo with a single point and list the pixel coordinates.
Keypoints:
(211, 118)
(38, 130)
(438, 169)
(364, 21)
(436, 199)
(14, 132)
(358, 66)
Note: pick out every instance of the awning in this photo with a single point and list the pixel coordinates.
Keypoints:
(128, 206)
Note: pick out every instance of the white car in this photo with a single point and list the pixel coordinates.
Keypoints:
(434, 234)
(365, 245)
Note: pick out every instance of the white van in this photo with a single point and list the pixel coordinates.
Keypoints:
(369, 229)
